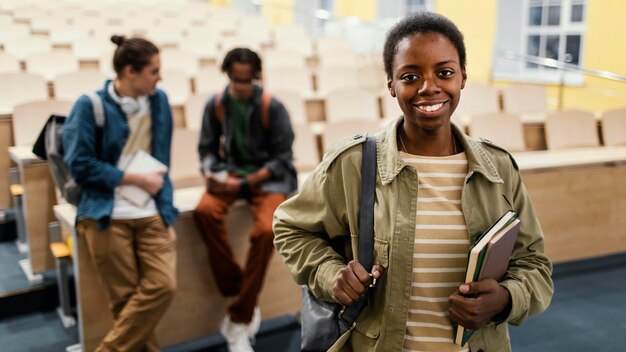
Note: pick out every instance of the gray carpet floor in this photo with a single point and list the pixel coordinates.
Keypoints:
(588, 313)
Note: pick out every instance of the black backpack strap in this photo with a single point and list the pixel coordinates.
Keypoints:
(366, 225)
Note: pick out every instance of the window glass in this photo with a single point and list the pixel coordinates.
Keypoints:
(534, 18)
(572, 49)
(554, 15)
(577, 13)
(533, 48)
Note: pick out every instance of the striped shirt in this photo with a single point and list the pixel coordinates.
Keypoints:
(439, 253)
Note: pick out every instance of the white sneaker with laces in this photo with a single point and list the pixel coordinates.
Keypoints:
(236, 335)
(254, 325)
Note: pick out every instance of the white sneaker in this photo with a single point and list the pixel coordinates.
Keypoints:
(254, 325)
(236, 335)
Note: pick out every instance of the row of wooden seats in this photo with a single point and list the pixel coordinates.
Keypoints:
(563, 129)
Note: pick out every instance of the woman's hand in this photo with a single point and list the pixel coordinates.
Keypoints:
(152, 182)
(474, 304)
(352, 281)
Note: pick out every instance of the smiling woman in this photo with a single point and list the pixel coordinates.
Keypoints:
(437, 190)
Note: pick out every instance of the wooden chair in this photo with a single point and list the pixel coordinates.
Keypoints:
(288, 78)
(337, 77)
(305, 151)
(341, 129)
(277, 58)
(194, 110)
(51, 64)
(390, 107)
(476, 99)
(571, 129)
(180, 60)
(24, 46)
(70, 86)
(348, 104)
(17, 88)
(503, 129)
(210, 80)
(529, 101)
(177, 85)
(614, 127)
(294, 103)
(29, 118)
(9, 63)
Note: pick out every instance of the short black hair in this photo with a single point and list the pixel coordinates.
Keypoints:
(242, 56)
(136, 52)
(422, 22)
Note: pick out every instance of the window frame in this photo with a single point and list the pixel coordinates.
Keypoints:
(542, 74)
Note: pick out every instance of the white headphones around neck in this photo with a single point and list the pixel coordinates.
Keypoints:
(130, 106)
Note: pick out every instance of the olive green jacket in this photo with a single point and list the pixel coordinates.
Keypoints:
(327, 208)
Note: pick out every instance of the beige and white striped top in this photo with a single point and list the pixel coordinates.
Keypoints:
(439, 253)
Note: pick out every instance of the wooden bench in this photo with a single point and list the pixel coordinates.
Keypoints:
(198, 307)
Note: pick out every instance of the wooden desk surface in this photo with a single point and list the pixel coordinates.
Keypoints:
(567, 158)
(23, 155)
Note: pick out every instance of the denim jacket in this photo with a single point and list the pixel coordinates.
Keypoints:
(327, 209)
(270, 147)
(98, 175)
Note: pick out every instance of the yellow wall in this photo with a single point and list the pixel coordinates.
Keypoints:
(477, 20)
(604, 49)
(278, 11)
(220, 3)
(363, 9)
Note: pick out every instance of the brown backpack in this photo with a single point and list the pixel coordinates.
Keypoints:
(265, 109)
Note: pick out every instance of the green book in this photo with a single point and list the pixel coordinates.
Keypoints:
(505, 224)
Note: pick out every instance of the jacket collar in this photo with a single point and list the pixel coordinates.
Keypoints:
(390, 164)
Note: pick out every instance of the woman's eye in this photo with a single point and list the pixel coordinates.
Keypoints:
(445, 73)
(409, 77)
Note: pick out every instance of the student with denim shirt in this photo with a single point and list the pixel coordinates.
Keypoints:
(132, 246)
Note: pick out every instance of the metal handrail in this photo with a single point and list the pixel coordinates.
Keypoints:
(563, 66)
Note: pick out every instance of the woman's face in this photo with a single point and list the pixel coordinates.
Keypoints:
(145, 81)
(427, 79)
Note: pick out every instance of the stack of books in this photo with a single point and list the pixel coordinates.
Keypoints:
(489, 258)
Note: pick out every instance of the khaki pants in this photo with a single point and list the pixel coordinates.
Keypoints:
(231, 279)
(135, 261)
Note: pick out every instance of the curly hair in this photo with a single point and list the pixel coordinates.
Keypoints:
(421, 22)
(242, 56)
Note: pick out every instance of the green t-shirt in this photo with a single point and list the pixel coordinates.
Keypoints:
(238, 110)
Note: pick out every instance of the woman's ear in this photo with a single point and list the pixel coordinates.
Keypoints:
(464, 79)
(128, 71)
(391, 90)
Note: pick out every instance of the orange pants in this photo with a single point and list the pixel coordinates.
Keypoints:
(231, 279)
(135, 261)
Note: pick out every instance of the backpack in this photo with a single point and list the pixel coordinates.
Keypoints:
(266, 99)
(49, 146)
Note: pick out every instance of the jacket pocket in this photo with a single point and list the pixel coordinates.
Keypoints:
(371, 318)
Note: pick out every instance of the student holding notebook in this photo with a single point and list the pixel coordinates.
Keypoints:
(437, 190)
(130, 239)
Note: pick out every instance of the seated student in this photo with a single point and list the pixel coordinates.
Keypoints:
(245, 152)
(437, 189)
(132, 246)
